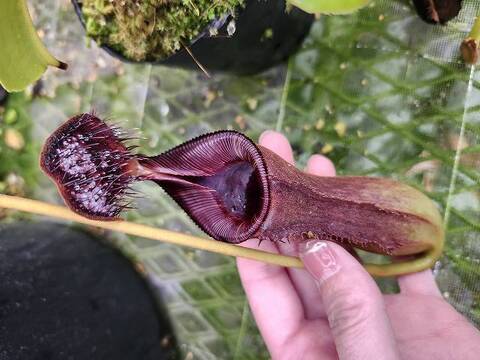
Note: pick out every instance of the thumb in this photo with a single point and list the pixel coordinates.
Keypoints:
(353, 303)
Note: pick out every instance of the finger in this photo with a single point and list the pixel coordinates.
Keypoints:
(273, 300)
(272, 297)
(354, 305)
(303, 282)
(304, 285)
(278, 143)
(421, 283)
(321, 166)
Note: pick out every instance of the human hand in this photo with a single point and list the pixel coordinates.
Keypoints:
(333, 308)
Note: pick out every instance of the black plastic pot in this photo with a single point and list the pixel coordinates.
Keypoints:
(66, 295)
(248, 50)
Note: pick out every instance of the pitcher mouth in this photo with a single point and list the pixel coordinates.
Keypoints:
(220, 180)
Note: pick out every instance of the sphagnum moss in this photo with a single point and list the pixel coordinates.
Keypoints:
(151, 30)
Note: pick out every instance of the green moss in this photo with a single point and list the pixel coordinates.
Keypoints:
(151, 29)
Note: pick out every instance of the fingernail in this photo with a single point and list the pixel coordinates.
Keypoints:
(319, 259)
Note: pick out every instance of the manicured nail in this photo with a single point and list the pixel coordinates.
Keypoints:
(319, 260)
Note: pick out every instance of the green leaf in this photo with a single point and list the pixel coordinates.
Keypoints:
(23, 57)
(333, 7)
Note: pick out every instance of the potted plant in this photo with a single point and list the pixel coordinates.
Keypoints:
(238, 36)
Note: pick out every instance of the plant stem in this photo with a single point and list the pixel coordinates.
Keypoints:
(41, 208)
(60, 212)
(283, 100)
(243, 331)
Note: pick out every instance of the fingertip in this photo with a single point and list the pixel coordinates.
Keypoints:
(320, 165)
(278, 143)
(266, 137)
(353, 302)
(421, 283)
